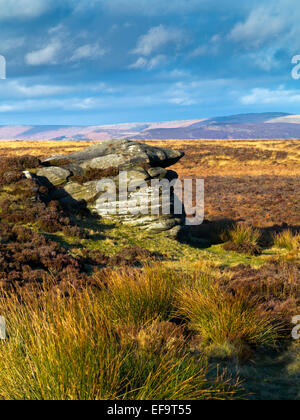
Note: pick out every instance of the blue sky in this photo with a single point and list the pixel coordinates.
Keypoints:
(92, 62)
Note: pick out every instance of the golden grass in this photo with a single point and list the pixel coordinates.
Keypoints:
(222, 165)
(137, 298)
(40, 148)
(71, 349)
(244, 235)
(287, 240)
(221, 318)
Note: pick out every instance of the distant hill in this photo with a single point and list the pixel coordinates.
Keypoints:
(243, 126)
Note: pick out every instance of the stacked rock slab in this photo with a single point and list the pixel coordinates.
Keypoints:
(107, 159)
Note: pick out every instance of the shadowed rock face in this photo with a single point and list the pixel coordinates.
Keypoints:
(78, 175)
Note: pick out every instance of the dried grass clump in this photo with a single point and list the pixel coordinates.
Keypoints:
(137, 297)
(244, 239)
(68, 349)
(221, 318)
(160, 337)
(287, 240)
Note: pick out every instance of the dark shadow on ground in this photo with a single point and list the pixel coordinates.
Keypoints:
(214, 232)
(77, 211)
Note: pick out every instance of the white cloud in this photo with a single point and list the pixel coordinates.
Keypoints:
(86, 97)
(279, 96)
(183, 100)
(88, 51)
(24, 9)
(199, 51)
(140, 63)
(86, 103)
(7, 45)
(210, 48)
(175, 75)
(38, 90)
(157, 61)
(184, 94)
(47, 55)
(155, 7)
(65, 104)
(149, 64)
(264, 60)
(263, 24)
(8, 108)
(187, 93)
(27, 89)
(156, 38)
(21, 89)
(57, 30)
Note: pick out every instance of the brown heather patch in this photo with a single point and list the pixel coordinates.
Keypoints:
(28, 256)
(276, 285)
(94, 174)
(25, 205)
(11, 168)
(254, 181)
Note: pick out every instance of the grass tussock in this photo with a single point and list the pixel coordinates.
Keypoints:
(70, 349)
(287, 240)
(224, 319)
(131, 334)
(136, 297)
(243, 238)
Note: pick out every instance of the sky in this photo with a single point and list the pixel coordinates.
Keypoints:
(94, 62)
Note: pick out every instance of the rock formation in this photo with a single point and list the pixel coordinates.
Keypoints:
(76, 177)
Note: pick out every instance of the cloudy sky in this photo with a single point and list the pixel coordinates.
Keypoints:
(112, 61)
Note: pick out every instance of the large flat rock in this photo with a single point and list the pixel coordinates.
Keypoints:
(79, 175)
(118, 153)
